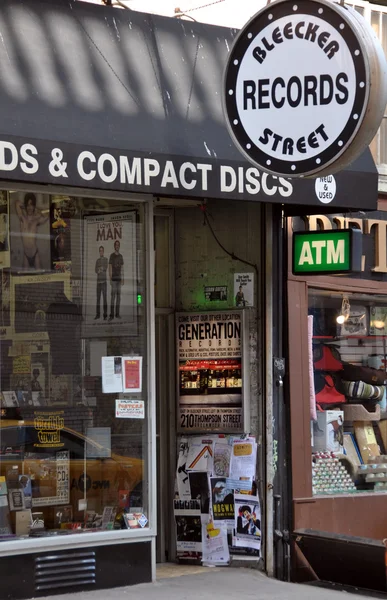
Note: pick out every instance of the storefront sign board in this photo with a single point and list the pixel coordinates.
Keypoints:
(322, 252)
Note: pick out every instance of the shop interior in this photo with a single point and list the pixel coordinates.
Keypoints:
(347, 335)
(74, 412)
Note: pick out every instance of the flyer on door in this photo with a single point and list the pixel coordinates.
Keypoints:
(132, 372)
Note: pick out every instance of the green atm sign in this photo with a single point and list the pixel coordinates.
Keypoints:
(324, 252)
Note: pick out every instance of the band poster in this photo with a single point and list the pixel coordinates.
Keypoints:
(210, 372)
(109, 274)
(63, 209)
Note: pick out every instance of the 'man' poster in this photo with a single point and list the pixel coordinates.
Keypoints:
(210, 372)
(109, 274)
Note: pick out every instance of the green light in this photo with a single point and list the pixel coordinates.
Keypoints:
(139, 299)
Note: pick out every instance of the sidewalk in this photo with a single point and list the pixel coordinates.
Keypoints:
(176, 582)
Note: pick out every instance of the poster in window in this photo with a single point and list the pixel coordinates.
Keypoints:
(32, 298)
(50, 478)
(60, 390)
(378, 320)
(29, 232)
(132, 373)
(40, 378)
(62, 210)
(4, 231)
(21, 385)
(5, 304)
(110, 274)
(210, 371)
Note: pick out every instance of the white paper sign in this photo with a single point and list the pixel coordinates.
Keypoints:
(214, 544)
(111, 374)
(243, 459)
(130, 409)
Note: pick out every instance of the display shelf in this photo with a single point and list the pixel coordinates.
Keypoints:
(358, 412)
(351, 337)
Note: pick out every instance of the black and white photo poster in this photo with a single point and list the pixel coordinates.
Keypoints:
(109, 273)
(30, 232)
(247, 522)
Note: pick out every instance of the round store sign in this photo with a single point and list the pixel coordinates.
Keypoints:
(297, 95)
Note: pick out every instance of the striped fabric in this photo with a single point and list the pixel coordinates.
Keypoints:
(365, 391)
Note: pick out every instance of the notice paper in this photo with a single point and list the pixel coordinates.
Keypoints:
(132, 372)
(222, 457)
(111, 374)
(182, 479)
(200, 453)
(214, 544)
(130, 409)
(243, 458)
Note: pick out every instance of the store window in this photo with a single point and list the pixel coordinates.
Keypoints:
(73, 341)
(348, 382)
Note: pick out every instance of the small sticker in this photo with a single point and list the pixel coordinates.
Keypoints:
(325, 188)
(142, 521)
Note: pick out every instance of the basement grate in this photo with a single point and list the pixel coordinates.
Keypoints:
(63, 570)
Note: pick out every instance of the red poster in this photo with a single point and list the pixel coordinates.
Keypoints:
(132, 373)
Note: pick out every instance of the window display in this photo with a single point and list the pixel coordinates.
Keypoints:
(348, 391)
(73, 382)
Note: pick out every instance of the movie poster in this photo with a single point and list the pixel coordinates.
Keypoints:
(110, 274)
(210, 372)
(29, 232)
(62, 210)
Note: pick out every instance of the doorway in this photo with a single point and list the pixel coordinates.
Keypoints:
(165, 381)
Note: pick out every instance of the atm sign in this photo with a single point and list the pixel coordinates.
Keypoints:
(326, 252)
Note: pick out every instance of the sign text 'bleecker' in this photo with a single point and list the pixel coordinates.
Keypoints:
(296, 86)
(326, 252)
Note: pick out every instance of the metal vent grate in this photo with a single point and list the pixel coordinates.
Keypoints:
(56, 571)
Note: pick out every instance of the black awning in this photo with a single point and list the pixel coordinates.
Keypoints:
(143, 89)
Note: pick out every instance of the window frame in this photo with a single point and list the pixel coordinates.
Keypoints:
(121, 536)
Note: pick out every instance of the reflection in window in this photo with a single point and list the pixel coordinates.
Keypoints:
(348, 383)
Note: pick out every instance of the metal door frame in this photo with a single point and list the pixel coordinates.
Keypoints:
(166, 421)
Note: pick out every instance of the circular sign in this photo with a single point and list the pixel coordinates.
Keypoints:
(325, 188)
(297, 87)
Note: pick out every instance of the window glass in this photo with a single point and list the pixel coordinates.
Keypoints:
(74, 405)
(348, 377)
